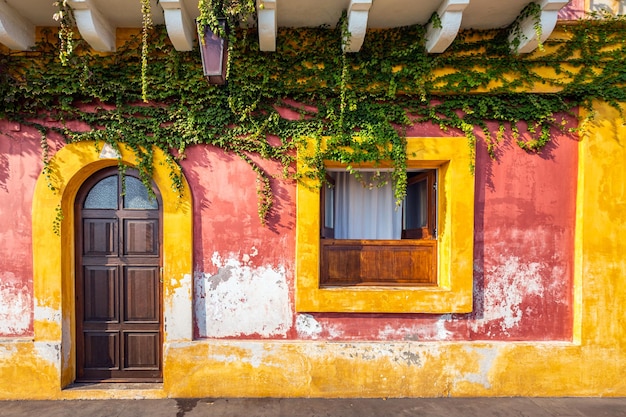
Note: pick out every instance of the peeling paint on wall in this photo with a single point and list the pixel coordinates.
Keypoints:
(425, 329)
(50, 352)
(44, 313)
(15, 308)
(251, 353)
(485, 363)
(510, 282)
(177, 313)
(307, 327)
(7, 350)
(242, 300)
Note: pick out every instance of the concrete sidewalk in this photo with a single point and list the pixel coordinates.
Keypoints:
(274, 407)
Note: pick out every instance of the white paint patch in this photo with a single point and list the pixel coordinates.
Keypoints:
(7, 349)
(488, 356)
(334, 331)
(242, 300)
(50, 352)
(15, 308)
(506, 286)
(246, 258)
(178, 312)
(51, 315)
(307, 327)
(442, 332)
(257, 355)
(403, 354)
(423, 331)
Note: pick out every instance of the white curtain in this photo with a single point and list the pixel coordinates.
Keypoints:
(365, 210)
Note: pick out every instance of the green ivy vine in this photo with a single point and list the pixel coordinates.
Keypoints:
(355, 106)
(532, 10)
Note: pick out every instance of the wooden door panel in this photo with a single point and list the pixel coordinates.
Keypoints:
(142, 350)
(100, 237)
(140, 237)
(100, 294)
(101, 350)
(141, 294)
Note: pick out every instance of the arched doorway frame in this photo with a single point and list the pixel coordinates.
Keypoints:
(54, 259)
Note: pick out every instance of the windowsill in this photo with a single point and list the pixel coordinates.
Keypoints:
(453, 291)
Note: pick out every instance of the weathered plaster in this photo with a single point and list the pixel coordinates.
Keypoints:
(487, 356)
(511, 281)
(15, 307)
(307, 327)
(176, 309)
(243, 300)
(524, 243)
(16, 178)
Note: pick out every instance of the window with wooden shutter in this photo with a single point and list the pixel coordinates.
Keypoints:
(367, 240)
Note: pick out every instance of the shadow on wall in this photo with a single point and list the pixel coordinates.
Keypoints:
(19, 141)
(234, 253)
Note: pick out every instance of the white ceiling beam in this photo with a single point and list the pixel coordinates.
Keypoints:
(16, 32)
(440, 33)
(266, 12)
(358, 13)
(93, 26)
(523, 39)
(180, 26)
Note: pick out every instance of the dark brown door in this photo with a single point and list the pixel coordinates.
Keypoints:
(118, 286)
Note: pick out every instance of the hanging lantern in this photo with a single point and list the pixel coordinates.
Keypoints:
(214, 53)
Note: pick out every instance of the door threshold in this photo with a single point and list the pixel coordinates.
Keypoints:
(113, 390)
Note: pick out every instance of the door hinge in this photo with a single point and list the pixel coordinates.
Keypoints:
(435, 186)
(161, 275)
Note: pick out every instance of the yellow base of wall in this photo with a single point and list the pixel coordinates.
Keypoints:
(327, 370)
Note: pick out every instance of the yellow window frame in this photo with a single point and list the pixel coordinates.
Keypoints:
(455, 253)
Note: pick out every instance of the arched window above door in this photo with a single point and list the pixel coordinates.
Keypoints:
(106, 193)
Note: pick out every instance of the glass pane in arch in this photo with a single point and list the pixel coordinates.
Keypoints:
(103, 195)
(136, 196)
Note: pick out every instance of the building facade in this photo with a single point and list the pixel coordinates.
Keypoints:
(188, 292)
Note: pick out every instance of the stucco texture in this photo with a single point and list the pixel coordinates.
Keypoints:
(548, 306)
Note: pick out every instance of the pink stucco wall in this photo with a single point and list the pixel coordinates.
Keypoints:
(523, 262)
(19, 168)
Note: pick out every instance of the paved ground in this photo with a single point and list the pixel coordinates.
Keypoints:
(248, 407)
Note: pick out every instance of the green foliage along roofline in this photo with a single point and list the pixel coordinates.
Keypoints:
(375, 94)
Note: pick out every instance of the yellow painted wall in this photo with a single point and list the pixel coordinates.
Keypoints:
(593, 364)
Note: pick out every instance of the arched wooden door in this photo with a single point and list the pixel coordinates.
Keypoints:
(118, 283)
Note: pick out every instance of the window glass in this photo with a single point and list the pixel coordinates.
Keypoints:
(416, 205)
(103, 195)
(136, 195)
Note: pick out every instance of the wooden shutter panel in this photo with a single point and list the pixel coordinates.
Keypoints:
(425, 227)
